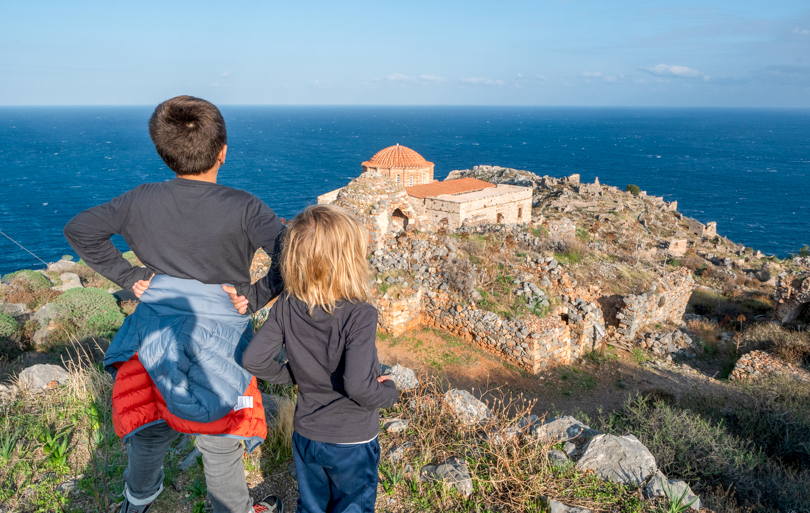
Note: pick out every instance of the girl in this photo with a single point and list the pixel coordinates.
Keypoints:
(329, 330)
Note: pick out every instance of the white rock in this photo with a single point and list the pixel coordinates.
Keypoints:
(38, 378)
(621, 459)
(465, 407)
(69, 281)
(62, 266)
(673, 490)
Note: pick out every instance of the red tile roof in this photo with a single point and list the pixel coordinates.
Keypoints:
(458, 186)
(398, 157)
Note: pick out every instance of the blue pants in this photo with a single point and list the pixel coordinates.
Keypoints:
(336, 478)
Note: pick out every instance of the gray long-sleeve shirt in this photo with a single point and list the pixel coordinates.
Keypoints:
(333, 360)
(186, 229)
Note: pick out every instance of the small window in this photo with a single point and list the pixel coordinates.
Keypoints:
(411, 178)
(397, 178)
(520, 214)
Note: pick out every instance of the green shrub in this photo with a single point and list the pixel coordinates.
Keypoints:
(67, 257)
(8, 326)
(633, 189)
(708, 445)
(92, 311)
(33, 279)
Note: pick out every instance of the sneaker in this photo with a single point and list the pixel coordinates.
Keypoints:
(126, 507)
(270, 504)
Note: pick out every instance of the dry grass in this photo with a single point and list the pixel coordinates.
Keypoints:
(509, 468)
(791, 346)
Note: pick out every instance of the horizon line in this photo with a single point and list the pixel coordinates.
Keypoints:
(405, 105)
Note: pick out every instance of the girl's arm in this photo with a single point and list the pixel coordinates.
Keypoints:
(259, 357)
(361, 365)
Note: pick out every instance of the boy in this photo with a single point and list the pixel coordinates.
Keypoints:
(189, 228)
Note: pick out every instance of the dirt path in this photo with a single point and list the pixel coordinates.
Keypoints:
(595, 383)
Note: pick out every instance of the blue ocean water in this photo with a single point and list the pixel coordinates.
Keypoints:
(749, 170)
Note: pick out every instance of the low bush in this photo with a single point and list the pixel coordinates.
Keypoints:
(791, 346)
(94, 312)
(9, 328)
(754, 444)
(28, 287)
(635, 190)
(33, 279)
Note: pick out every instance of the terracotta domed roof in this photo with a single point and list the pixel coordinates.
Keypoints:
(398, 157)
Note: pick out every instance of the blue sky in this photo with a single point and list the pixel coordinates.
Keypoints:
(607, 53)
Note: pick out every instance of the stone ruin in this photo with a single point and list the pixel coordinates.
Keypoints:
(566, 333)
(676, 247)
(792, 299)
(664, 302)
(701, 230)
(380, 204)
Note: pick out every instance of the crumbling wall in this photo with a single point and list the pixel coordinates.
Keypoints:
(400, 313)
(665, 301)
(377, 202)
(792, 298)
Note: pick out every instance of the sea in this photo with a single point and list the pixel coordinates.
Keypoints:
(748, 170)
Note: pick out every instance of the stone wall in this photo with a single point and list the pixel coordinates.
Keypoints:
(503, 204)
(380, 204)
(664, 302)
(566, 333)
(792, 298)
(701, 230)
(399, 313)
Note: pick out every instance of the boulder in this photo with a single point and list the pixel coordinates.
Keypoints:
(465, 407)
(395, 425)
(69, 281)
(61, 266)
(404, 377)
(452, 471)
(44, 316)
(561, 429)
(41, 377)
(190, 461)
(621, 459)
(660, 486)
(19, 311)
(557, 458)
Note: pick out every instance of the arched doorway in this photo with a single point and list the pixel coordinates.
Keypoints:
(399, 221)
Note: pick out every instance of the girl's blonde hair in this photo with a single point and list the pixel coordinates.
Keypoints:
(324, 258)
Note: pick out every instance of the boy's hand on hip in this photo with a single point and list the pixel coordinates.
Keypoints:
(140, 286)
(239, 302)
(384, 378)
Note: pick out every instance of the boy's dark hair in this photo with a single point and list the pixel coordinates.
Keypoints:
(188, 133)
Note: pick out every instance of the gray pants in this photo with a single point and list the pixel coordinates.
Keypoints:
(222, 460)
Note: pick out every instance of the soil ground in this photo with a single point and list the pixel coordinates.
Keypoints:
(596, 383)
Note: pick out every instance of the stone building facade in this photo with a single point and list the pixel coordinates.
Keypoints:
(403, 165)
(404, 173)
(452, 202)
(792, 298)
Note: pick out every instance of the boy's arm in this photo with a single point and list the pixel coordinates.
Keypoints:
(267, 232)
(89, 235)
(362, 367)
(259, 357)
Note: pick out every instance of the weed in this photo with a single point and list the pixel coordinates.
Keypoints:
(675, 503)
(392, 476)
(197, 488)
(55, 445)
(8, 442)
(638, 356)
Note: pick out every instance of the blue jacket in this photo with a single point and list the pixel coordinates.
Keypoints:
(190, 340)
